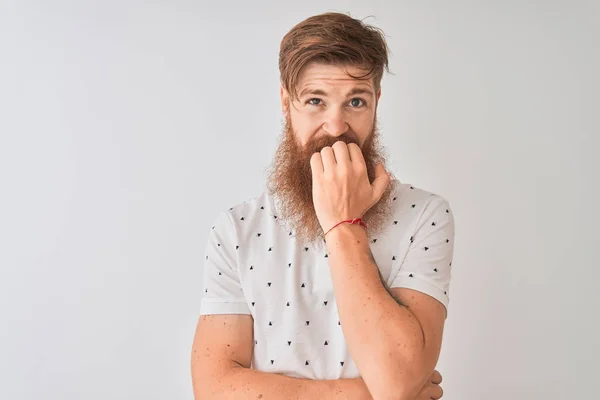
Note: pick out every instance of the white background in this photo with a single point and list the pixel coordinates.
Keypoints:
(126, 126)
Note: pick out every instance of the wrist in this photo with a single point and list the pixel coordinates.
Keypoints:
(345, 231)
(332, 226)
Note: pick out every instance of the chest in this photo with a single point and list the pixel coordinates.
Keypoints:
(289, 291)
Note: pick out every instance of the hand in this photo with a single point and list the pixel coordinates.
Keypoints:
(432, 389)
(340, 185)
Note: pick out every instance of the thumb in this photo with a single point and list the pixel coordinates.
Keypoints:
(380, 183)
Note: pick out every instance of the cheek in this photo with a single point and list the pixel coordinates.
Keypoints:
(306, 129)
(363, 126)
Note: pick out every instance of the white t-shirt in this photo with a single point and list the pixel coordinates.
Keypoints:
(253, 265)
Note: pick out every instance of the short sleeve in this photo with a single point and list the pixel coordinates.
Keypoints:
(428, 262)
(222, 289)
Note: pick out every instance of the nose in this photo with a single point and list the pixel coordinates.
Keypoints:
(335, 124)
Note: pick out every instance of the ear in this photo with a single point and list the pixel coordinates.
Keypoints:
(284, 95)
(377, 96)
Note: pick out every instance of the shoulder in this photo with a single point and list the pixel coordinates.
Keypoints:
(419, 203)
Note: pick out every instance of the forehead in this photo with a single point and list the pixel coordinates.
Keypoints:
(319, 74)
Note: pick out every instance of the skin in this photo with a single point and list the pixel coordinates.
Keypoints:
(314, 122)
(222, 348)
(407, 338)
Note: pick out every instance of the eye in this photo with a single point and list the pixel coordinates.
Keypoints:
(357, 99)
(313, 104)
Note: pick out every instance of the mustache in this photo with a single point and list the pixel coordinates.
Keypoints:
(321, 142)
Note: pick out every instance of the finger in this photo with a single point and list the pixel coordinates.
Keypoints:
(437, 392)
(316, 165)
(328, 159)
(340, 150)
(431, 391)
(381, 181)
(356, 156)
(436, 377)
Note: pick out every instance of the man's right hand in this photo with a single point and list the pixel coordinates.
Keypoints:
(432, 389)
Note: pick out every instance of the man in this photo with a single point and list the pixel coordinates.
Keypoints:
(333, 283)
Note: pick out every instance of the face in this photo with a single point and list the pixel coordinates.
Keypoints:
(331, 106)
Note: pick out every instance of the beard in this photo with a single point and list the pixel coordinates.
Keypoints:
(290, 183)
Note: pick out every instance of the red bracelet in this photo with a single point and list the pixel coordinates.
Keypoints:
(351, 221)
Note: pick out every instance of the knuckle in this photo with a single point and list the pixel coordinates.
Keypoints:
(342, 171)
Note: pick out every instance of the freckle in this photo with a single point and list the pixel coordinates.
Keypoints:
(228, 346)
(260, 396)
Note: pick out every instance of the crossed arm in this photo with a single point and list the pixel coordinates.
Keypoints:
(221, 356)
(223, 345)
(394, 335)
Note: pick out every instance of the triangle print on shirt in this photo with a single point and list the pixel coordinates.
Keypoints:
(253, 265)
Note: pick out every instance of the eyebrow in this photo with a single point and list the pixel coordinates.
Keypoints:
(320, 92)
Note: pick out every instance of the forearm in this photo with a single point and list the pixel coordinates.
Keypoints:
(383, 336)
(244, 383)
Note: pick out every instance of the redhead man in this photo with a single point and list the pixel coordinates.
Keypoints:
(333, 282)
